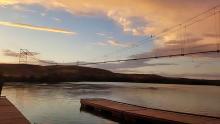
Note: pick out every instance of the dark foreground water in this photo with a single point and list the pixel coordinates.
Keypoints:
(60, 103)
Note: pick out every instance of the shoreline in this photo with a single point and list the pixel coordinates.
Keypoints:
(64, 73)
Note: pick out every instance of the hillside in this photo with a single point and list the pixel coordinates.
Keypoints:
(63, 73)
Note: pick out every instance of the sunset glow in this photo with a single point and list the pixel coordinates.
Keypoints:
(65, 31)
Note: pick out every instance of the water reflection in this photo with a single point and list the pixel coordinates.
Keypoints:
(60, 103)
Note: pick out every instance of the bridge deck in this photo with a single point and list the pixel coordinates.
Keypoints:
(135, 113)
(9, 114)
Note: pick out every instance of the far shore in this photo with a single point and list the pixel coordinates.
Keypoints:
(62, 73)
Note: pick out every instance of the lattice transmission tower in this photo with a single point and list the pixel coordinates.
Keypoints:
(25, 56)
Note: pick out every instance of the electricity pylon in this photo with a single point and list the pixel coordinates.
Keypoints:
(23, 56)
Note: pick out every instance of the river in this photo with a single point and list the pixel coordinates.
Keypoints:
(60, 103)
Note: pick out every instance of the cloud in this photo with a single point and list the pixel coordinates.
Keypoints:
(43, 14)
(124, 22)
(21, 8)
(57, 19)
(106, 35)
(129, 65)
(139, 17)
(178, 49)
(123, 67)
(101, 34)
(32, 27)
(134, 25)
(114, 43)
(33, 53)
(152, 13)
(47, 62)
(192, 41)
(195, 76)
(10, 53)
(212, 35)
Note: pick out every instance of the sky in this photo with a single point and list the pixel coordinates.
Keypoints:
(67, 31)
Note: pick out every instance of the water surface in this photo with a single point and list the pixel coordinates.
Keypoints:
(60, 103)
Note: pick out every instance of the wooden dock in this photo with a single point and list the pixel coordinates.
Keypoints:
(131, 114)
(9, 114)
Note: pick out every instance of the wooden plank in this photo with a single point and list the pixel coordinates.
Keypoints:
(9, 114)
(136, 113)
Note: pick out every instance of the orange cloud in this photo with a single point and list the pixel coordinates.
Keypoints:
(155, 15)
(32, 27)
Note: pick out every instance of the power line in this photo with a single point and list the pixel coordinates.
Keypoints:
(171, 29)
(202, 16)
(183, 26)
(151, 57)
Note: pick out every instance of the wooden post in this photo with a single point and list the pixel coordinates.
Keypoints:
(1, 85)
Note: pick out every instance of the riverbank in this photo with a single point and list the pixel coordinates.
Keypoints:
(62, 73)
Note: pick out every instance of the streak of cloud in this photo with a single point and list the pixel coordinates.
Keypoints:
(47, 62)
(195, 76)
(114, 43)
(57, 19)
(43, 14)
(130, 64)
(38, 28)
(101, 34)
(22, 9)
(10, 53)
